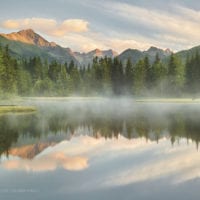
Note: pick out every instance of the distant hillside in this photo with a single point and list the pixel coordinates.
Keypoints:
(135, 55)
(188, 53)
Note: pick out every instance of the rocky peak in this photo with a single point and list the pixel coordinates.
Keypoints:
(153, 49)
(111, 53)
(30, 37)
(97, 52)
(26, 32)
(168, 51)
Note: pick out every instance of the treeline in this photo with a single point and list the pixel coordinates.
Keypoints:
(105, 76)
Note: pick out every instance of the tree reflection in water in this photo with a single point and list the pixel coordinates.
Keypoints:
(107, 123)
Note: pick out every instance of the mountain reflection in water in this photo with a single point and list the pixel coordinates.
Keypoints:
(95, 150)
(54, 123)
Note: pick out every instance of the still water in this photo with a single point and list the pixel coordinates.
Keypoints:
(101, 149)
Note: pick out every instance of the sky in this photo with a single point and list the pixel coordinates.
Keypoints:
(84, 25)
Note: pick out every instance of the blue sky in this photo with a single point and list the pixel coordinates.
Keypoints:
(85, 25)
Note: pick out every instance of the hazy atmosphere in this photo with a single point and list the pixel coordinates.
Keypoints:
(99, 99)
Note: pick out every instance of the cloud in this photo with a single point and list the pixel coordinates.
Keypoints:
(73, 155)
(47, 163)
(83, 42)
(90, 41)
(135, 160)
(121, 26)
(129, 43)
(75, 33)
(180, 25)
(176, 29)
(48, 26)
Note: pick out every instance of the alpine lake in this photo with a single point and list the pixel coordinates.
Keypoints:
(100, 148)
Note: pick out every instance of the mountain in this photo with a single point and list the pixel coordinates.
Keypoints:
(30, 37)
(152, 51)
(135, 55)
(86, 58)
(184, 54)
(27, 43)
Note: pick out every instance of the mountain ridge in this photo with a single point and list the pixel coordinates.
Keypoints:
(86, 58)
(135, 55)
(27, 43)
(34, 43)
(52, 50)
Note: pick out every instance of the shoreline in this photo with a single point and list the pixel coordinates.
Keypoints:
(16, 109)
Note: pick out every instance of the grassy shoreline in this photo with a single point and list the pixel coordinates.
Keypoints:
(22, 104)
(16, 109)
(168, 100)
(136, 99)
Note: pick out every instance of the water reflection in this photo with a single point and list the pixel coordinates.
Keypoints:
(54, 123)
(98, 150)
(46, 163)
(104, 165)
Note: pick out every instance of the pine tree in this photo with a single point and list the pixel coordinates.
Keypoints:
(61, 83)
(158, 81)
(139, 76)
(129, 77)
(148, 73)
(8, 72)
(176, 75)
(117, 77)
(23, 81)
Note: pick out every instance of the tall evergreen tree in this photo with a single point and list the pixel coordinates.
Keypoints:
(148, 73)
(176, 75)
(139, 76)
(129, 77)
(117, 77)
(159, 78)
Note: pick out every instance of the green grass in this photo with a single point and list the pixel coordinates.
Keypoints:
(145, 100)
(169, 100)
(16, 109)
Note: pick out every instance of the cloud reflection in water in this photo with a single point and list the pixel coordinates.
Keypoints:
(118, 161)
(47, 163)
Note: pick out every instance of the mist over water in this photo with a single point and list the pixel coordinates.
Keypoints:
(103, 117)
(96, 148)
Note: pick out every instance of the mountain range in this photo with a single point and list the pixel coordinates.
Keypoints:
(27, 43)
(135, 55)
